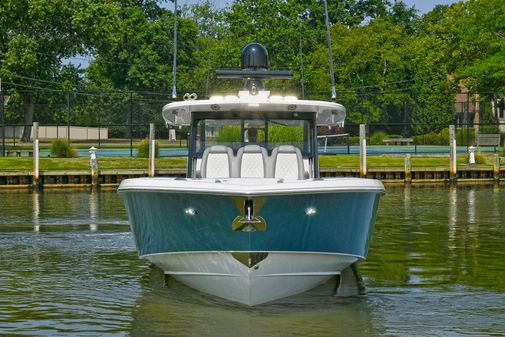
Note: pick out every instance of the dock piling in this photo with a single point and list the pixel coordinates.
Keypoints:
(36, 173)
(152, 147)
(408, 169)
(362, 150)
(496, 168)
(453, 170)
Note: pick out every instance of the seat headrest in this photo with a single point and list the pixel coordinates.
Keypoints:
(286, 149)
(252, 149)
(217, 149)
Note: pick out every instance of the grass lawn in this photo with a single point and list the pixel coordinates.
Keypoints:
(82, 163)
(336, 161)
(395, 161)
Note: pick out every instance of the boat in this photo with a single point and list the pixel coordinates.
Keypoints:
(253, 221)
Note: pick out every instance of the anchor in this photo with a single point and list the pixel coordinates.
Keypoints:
(248, 221)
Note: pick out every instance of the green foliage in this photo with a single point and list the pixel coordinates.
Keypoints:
(429, 139)
(463, 136)
(353, 140)
(377, 138)
(285, 134)
(489, 129)
(229, 134)
(384, 55)
(480, 159)
(61, 148)
(143, 149)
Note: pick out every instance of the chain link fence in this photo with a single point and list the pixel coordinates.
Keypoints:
(119, 120)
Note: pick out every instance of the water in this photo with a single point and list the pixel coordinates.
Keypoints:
(68, 267)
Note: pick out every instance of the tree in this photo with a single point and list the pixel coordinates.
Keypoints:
(34, 37)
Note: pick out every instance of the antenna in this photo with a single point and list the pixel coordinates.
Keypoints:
(254, 69)
(333, 92)
(174, 67)
(301, 65)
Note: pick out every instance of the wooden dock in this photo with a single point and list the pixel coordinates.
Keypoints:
(403, 175)
(112, 178)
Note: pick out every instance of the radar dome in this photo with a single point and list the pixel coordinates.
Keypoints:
(254, 56)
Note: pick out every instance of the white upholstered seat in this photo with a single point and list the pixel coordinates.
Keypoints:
(217, 162)
(251, 160)
(287, 163)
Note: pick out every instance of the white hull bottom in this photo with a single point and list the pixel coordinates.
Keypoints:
(279, 275)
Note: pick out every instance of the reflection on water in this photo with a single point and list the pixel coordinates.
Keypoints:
(68, 267)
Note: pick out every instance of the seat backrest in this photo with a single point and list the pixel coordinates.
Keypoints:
(216, 162)
(287, 163)
(251, 161)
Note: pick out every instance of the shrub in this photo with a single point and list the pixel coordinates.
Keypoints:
(377, 138)
(353, 140)
(479, 158)
(143, 149)
(489, 129)
(285, 134)
(229, 134)
(60, 148)
(431, 138)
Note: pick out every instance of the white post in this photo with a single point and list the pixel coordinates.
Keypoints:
(362, 150)
(93, 164)
(36, 173)
(408, 168)
(452, 142)
(496, 168)
(152, 147)
(471, 155)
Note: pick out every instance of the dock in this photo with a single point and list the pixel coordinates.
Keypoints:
(407, 174)
(391, 175)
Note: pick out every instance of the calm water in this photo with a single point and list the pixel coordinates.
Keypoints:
(68, 267)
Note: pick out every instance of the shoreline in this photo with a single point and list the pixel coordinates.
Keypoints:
(106, 178)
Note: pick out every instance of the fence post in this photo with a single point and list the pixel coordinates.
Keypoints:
(362, 150)
(152, 144)
(36, 173)
(453, 170)
(408, 168)
(496, 168)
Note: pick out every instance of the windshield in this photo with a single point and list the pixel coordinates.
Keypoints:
(235, 133)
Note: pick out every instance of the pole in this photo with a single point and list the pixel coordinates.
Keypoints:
(301, 65)
(152, 144)
(476, 120)
(467, 110)
(332, 75)
(131, 126)
(2, 115)
(68, 117)
(452, 161)
(36, 174)
(174, 66)
(362, 150)
(496, 168)
(408, 168)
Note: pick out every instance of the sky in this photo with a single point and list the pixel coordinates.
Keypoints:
(426, 5)
(422, 5)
